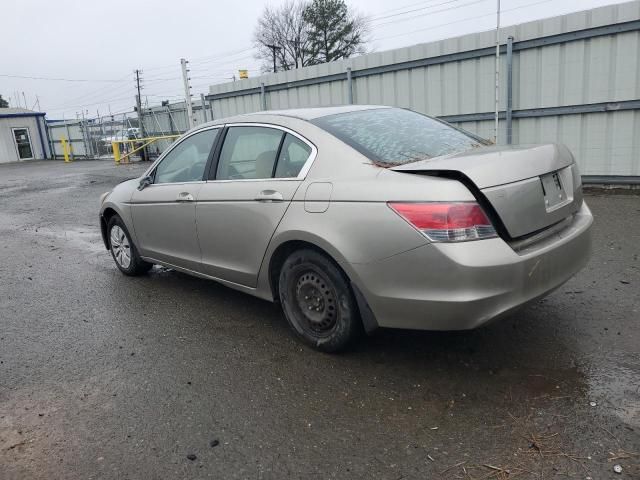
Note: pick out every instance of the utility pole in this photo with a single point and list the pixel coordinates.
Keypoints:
(187, 92)
(274, 49)
(101, 132)
(85, 136)
(497, 93)
(143, 133)
(25, 100)
(139, 105)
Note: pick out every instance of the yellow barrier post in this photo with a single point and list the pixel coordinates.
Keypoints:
(116, 152)
(65, 149)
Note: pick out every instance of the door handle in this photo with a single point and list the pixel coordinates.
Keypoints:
(184, 197)
(269, 196)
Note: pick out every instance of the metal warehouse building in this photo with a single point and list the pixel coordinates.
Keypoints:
(23, 135)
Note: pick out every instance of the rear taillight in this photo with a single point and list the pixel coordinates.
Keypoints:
(446, 222)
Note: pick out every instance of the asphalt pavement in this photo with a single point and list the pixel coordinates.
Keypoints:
(166, 376)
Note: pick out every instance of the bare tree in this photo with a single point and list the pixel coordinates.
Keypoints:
(284, 30)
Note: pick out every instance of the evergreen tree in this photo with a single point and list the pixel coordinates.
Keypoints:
(334, 31)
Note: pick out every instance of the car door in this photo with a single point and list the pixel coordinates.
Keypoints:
(164, 213)
(257, 172)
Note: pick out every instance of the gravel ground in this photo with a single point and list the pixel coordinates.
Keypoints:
(167, 376)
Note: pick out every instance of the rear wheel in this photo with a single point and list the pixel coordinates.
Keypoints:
(318, 302)
(123, 251)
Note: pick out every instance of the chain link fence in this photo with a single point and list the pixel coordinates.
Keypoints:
(91, 138)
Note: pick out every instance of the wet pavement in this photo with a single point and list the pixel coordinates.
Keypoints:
(105, 376)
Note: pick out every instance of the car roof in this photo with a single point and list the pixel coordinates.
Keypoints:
(281, 116)
(312, 113)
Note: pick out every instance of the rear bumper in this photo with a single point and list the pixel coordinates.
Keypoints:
(460, 286)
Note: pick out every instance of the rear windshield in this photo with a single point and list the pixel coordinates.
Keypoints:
(394, 136)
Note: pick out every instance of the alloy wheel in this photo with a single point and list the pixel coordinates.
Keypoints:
(120, 247)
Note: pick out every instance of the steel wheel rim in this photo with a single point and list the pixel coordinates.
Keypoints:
(316, 301)
(120, 247)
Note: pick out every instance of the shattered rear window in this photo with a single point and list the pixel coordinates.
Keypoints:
(394, 136)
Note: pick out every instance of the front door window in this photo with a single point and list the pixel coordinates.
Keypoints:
(23, 143)
(187, 161)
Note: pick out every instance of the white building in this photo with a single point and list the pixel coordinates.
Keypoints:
(23, 135)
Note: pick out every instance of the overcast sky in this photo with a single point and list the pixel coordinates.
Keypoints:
(96, 45)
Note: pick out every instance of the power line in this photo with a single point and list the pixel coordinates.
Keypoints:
(219, 56)
(55, 79)
(475, 17)
(413, 10)
(93, 94)
(223, 67)
(71, 107)
(375, 15)
(153, 82)
(204, 59)
(391, 22)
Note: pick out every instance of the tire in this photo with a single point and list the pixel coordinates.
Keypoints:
(123, 250)
(318, 302)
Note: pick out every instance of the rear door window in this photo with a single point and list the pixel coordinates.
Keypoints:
(249, 153)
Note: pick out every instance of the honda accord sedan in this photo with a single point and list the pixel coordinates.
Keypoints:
(356, 217)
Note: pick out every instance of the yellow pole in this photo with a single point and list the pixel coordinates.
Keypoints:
(116, 152)
(65, 149)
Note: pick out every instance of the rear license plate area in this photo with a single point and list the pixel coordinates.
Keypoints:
(555, 195)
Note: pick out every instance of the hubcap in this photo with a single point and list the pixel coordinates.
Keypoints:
(120, 247)
(316, 301)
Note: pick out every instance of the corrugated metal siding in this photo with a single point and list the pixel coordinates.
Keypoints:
(73, 134)
(603, 143)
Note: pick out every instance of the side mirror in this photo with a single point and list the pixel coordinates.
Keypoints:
(145, 182)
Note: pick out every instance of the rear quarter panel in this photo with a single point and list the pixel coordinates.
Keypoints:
(358, 227)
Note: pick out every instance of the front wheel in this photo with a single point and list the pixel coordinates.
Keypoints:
(123, 251)
(317, 301)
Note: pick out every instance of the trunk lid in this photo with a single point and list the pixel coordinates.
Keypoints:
(528, 187)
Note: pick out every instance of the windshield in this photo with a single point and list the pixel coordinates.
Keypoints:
(394, 136)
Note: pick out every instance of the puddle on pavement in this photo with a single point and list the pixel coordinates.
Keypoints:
(616, 389)
(613, 386)
(85, 238)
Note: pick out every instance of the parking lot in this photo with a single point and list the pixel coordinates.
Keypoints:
(106, 376)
